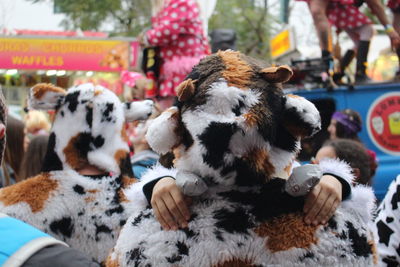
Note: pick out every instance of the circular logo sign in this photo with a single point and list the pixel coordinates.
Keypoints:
(383, 123)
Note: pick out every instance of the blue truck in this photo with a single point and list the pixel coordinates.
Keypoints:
(379, 107)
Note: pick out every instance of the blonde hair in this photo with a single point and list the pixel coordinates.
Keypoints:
(36, 120)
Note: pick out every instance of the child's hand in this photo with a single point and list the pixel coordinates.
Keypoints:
(170, 205)
(322, 201)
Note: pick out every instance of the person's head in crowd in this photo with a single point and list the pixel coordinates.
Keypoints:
(14, 151)
(36, 122)
(135, 84)
(138, 138)
(345, 124)
(350, 151)
(33, 158)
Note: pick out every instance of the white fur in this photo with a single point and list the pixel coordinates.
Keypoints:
(337, 167)
(281, 159)
(362, 201)
(386, 211)
(222, 98)
(138, 110)
(64, 202)
(160, 135)
(218, 108)
(135, 192)
(72, 123)
(96, 207)
(48, 101)
(306, 109)
(225, 216)
(209, 251)
(104, 156)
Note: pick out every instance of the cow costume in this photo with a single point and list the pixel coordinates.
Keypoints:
(86, 212)
(236, 132)
(388, 226)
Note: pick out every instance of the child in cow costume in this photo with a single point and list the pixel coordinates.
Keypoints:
(233, 134)
(79, 197)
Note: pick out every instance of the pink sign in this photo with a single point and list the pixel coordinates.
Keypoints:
(64, 54)
(134, 54)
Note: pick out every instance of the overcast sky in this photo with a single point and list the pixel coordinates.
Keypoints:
(22, 14)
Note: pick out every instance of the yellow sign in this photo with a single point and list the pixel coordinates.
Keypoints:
(281, 44)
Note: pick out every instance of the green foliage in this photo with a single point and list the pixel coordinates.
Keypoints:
(250, 20)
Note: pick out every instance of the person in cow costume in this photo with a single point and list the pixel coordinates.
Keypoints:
(79, 196)
(234, 134)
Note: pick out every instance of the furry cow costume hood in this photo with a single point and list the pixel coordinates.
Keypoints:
(84, 211)
(235, 134)
(88, 128)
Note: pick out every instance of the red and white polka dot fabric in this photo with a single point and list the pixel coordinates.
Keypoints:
(344, 2)
(394, 4)
(178, 31)
(344, 14)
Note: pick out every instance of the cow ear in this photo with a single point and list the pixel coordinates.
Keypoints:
(186, 89)
(279, 74)
(162, 133)
(300, 117)
(45, 96)
(138, 110)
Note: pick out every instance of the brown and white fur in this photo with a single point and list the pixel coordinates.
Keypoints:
(87, 212)
(236, 130)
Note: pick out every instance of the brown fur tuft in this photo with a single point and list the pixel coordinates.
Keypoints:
(120, 155)
(72, 155)
(126, 182)
(34, 191)
(286, 232)
(237, 72)
(39, 90)
(110, 262)
(259, 159)
(185, 90)
(235, 263)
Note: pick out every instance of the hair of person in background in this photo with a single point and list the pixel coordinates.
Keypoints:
(352, 152)
(36, 122)
(14, 151)
(345, 124)
(33, 158)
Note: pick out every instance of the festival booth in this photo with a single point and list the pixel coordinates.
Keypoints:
(65, 61)
(384, 67)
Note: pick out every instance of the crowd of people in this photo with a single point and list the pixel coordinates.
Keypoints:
(178, 33)
(25, 147)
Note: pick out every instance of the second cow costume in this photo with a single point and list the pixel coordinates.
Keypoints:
(84, 211)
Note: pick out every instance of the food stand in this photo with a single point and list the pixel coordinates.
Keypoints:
(25, 61)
